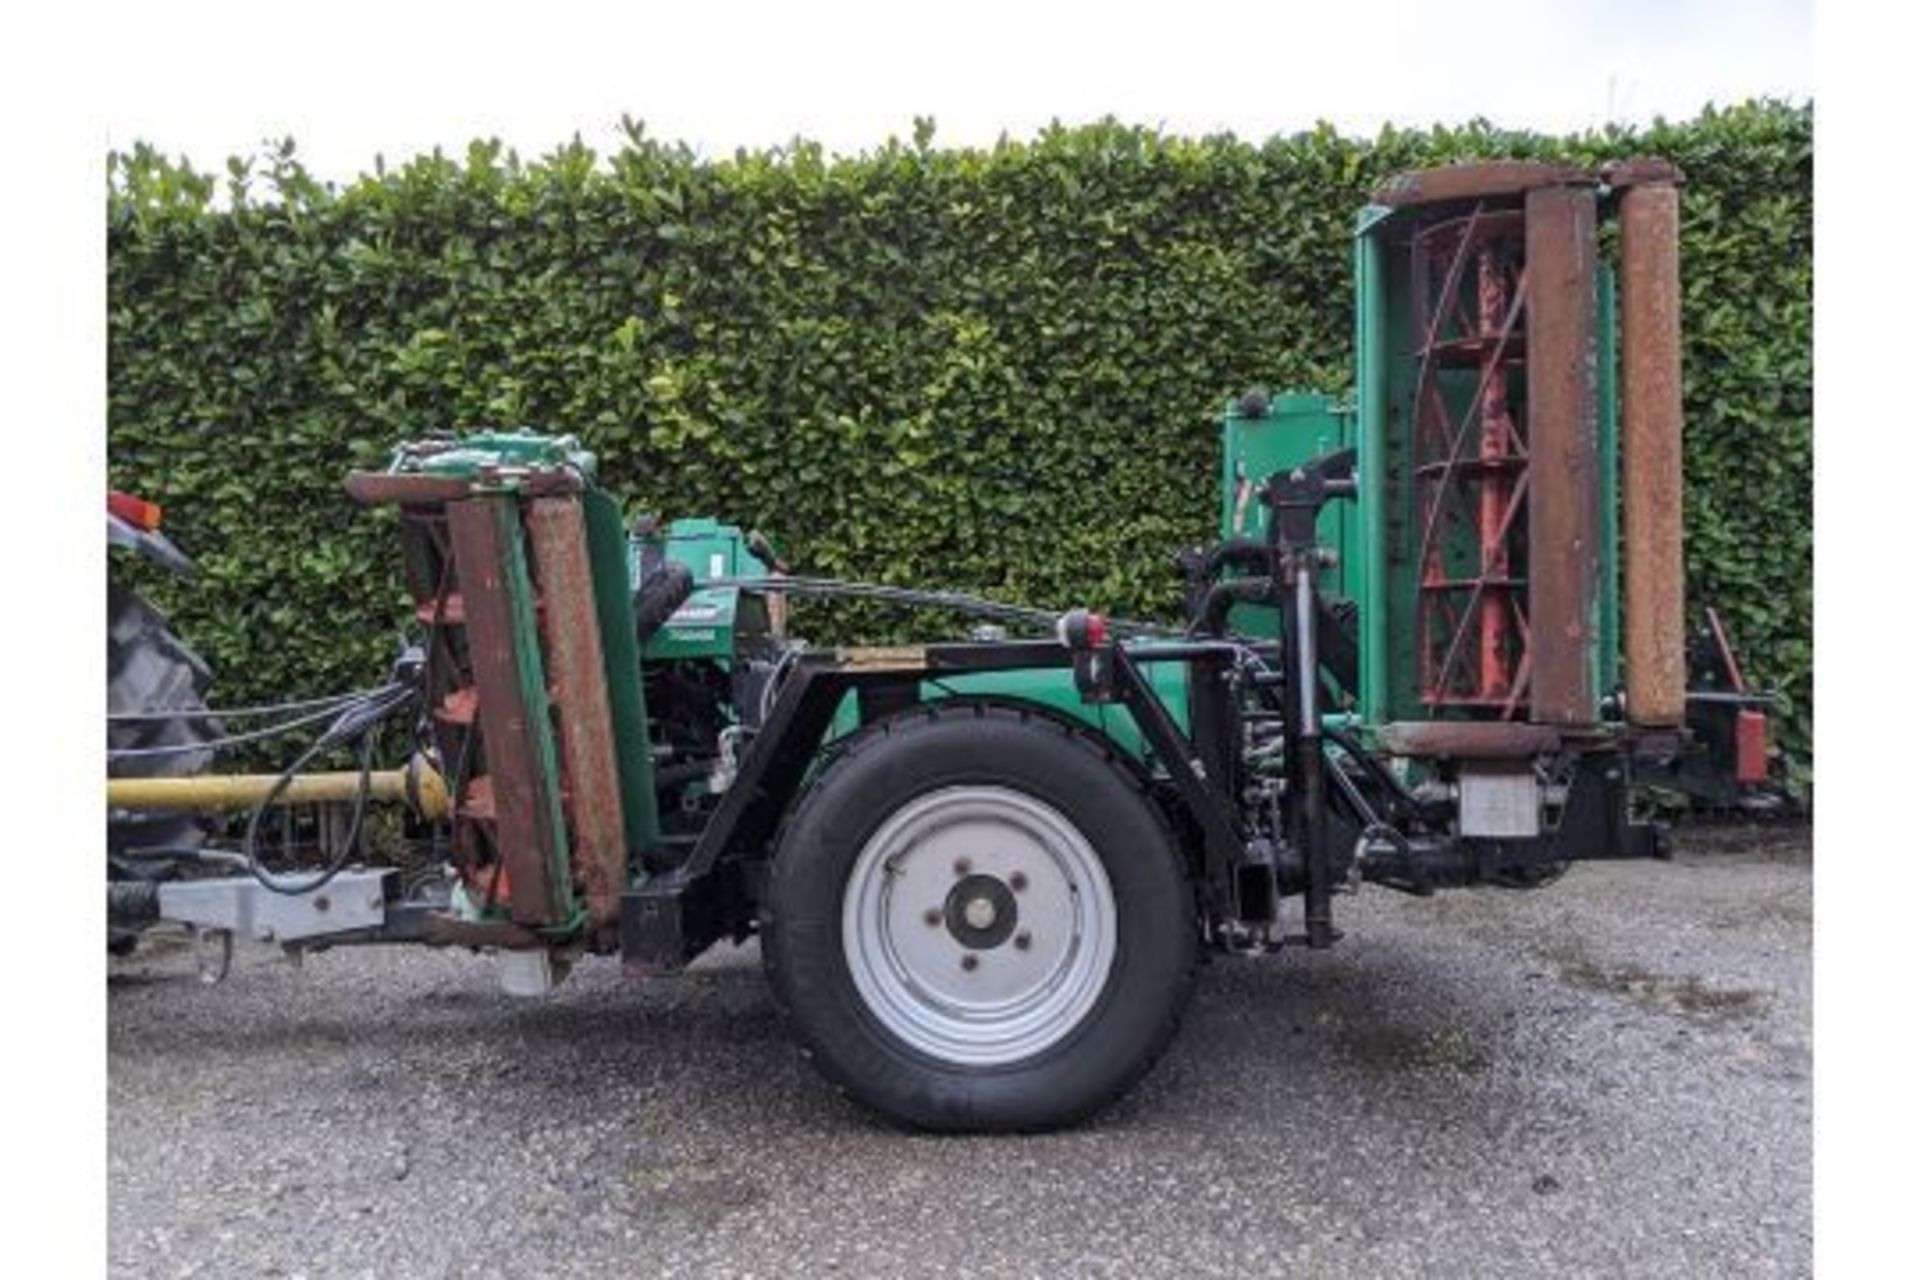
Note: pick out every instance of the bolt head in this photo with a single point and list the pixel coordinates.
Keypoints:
(962, 866)
(1018, 881)
(933, 916)
(969, 962)
(1023, 940)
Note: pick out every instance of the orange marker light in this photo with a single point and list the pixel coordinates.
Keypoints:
(137, 512)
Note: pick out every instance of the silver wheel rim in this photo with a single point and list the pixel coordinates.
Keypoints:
(979, 925)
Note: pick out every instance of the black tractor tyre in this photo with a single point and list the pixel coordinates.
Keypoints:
(1047, 771)
(149, 668)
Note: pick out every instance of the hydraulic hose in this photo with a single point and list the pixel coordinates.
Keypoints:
(1237, 553)
(1220, 599)
(358, 723)
(326, 712)
(661, 593)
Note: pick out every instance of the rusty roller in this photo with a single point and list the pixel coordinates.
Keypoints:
(1562, 410)
(1650, 439)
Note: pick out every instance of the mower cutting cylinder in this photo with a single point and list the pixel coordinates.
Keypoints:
(1494, 436)
(515, 564)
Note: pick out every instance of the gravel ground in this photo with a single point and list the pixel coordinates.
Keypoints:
(1608, 1076)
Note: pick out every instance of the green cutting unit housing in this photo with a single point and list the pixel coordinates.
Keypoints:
(1419, 364)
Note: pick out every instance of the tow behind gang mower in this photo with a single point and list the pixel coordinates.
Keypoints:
(1439, 643)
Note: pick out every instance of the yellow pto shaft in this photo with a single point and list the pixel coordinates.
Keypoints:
(418, 785)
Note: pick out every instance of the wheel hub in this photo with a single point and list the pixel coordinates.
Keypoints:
(980, 912)
(978, 924)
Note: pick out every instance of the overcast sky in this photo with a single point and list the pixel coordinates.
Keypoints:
(349, 80)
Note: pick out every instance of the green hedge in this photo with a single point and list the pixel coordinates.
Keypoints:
(988, 369)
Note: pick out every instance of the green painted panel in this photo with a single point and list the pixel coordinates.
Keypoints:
(1053, 688)
(1383, 330)
(517, 585)
(1607, 647)
(620, 652)
(502, 453)
(1295, 428)
(1370, 360)
(704, 626)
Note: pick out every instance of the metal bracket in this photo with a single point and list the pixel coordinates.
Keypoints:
(354, 899)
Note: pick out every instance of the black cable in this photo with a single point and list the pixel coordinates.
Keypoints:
(361, 723)
(241, 713)
(958, 601)
(253, 735)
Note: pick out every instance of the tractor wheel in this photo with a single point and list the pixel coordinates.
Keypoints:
(977, 920)
(150, 669)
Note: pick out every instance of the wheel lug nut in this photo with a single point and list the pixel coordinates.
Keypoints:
(932, 916)
(1018, 880)
(1023, 940)
(962, 865)
(969, 962)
